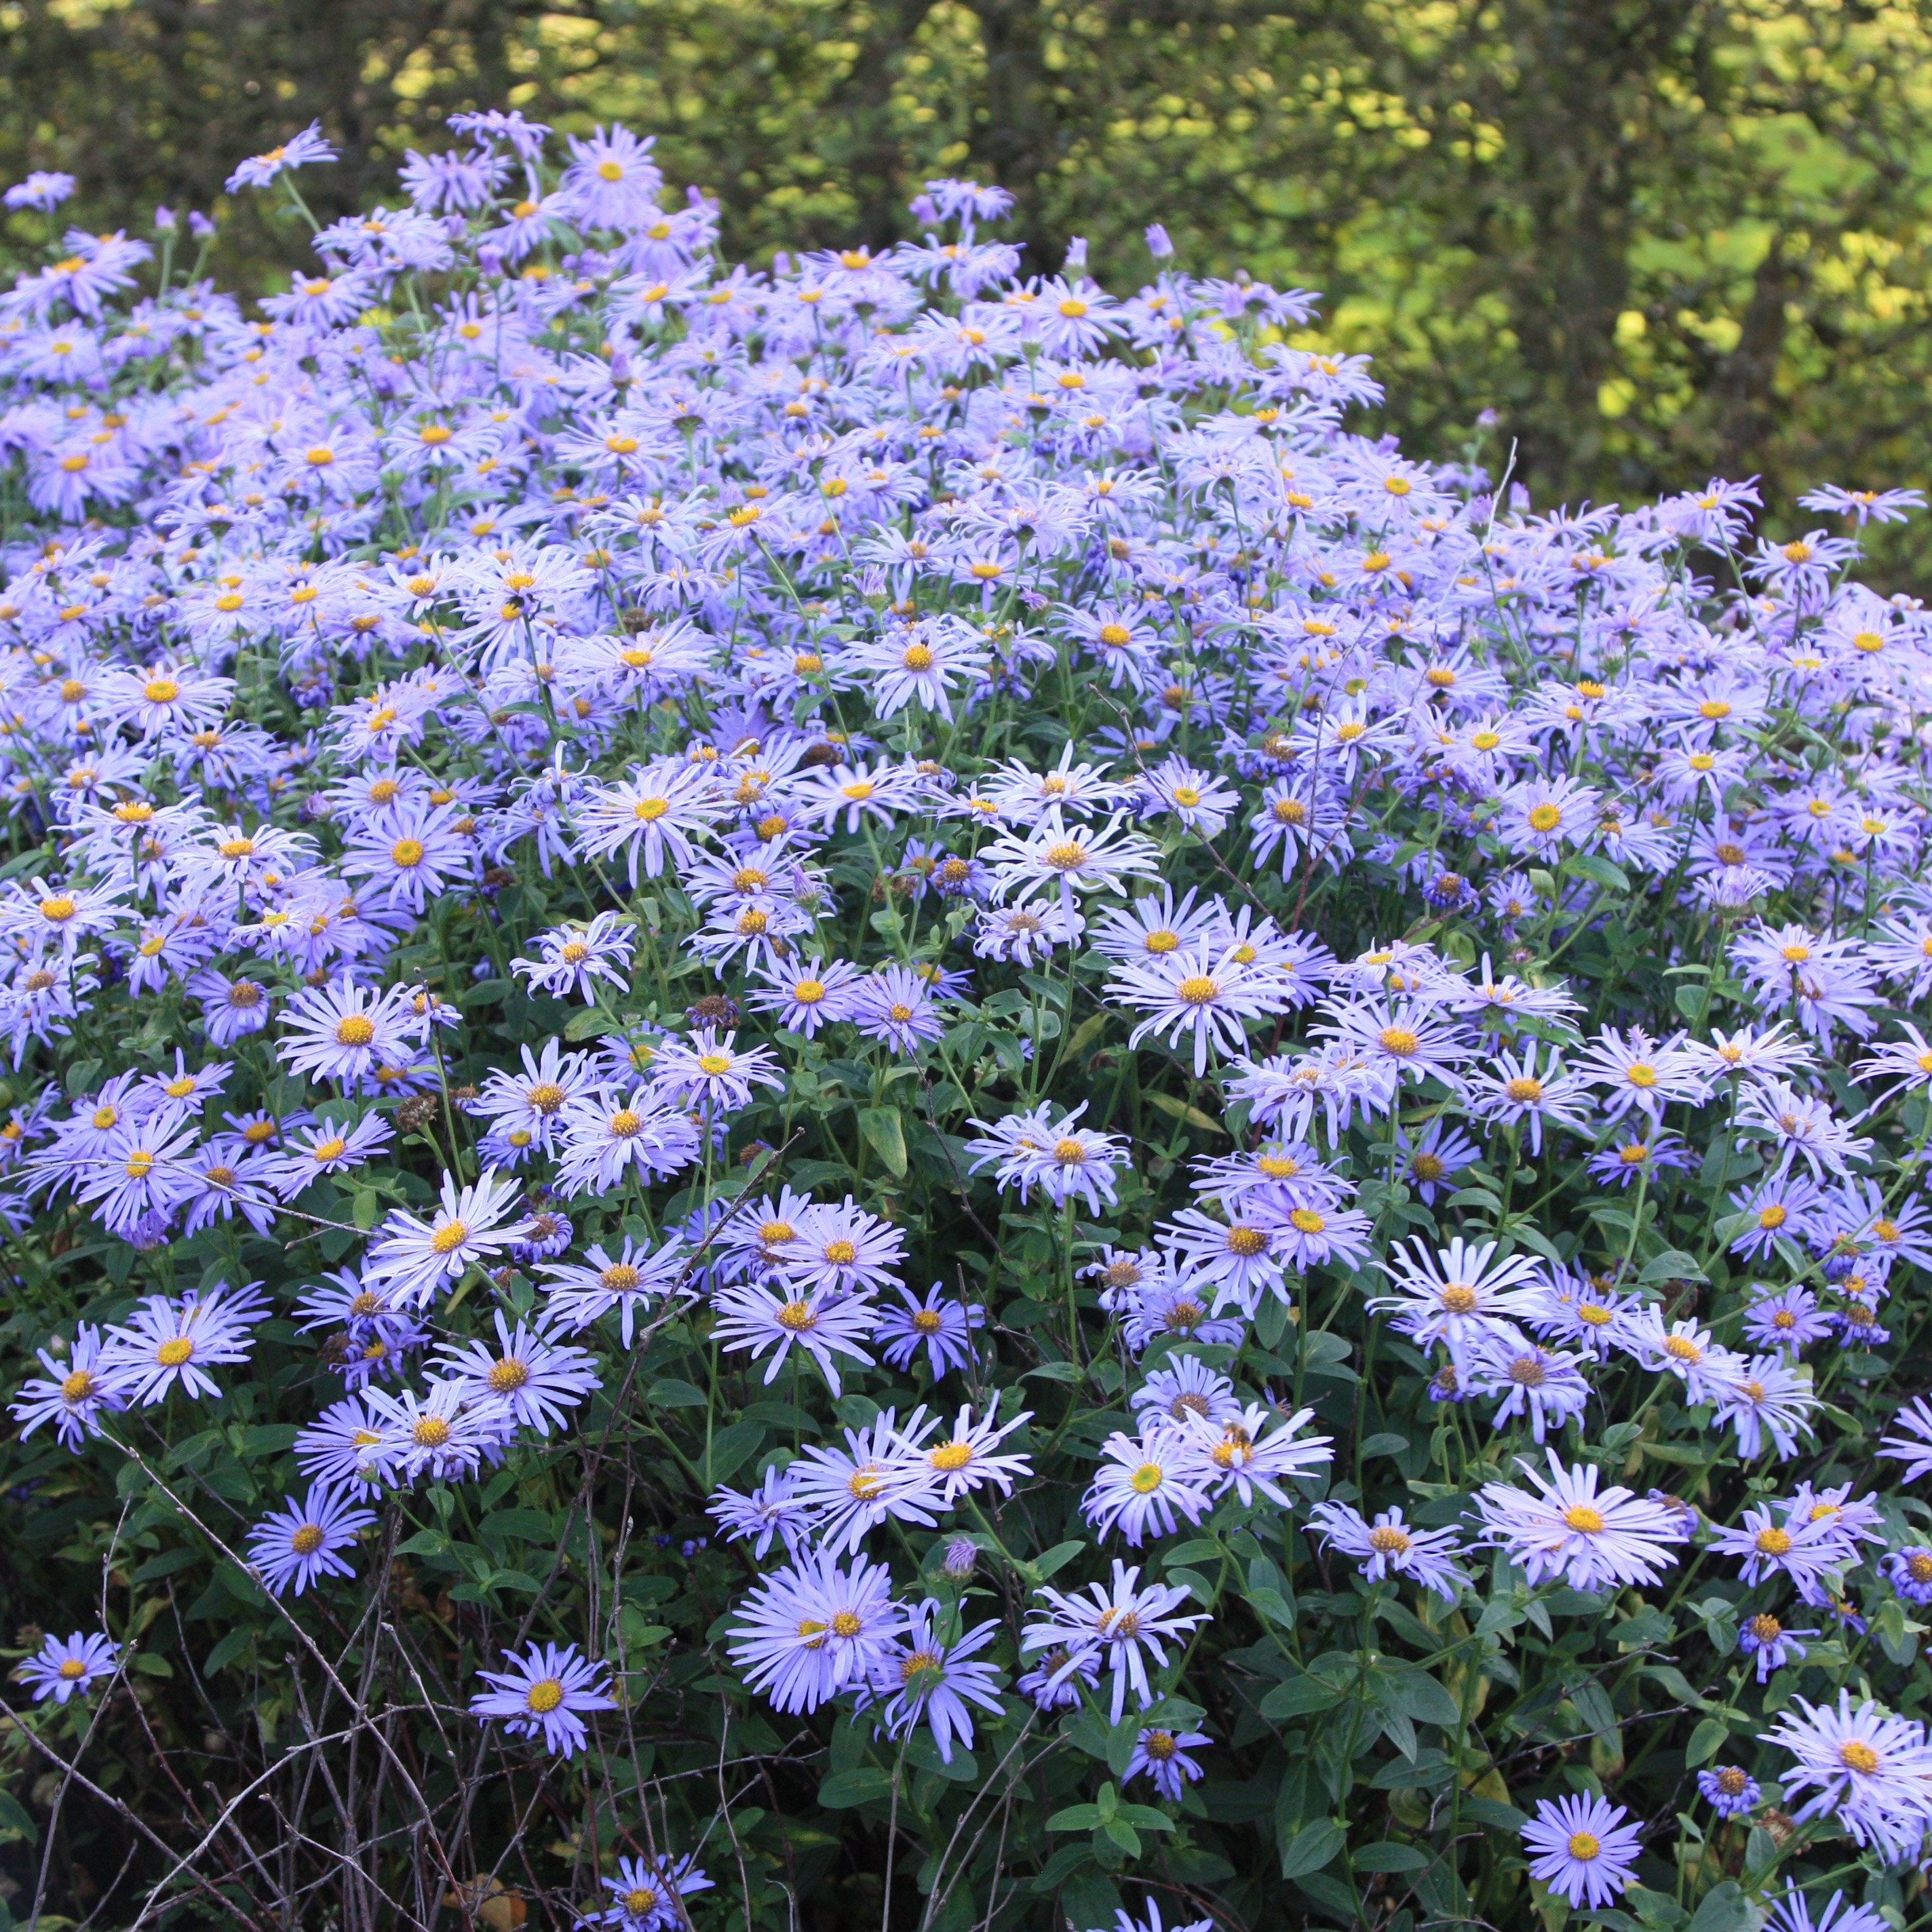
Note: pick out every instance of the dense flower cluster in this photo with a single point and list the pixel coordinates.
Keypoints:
(895, 961)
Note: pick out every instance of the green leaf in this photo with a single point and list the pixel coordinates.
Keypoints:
(865, 1784)
(1058, 1557)
(1311, 1848)
(1075, 1818)
(1495, 1813)
(1593, 865)
(1707, 1741)
(230, 1647)
(1299, 1695)
(731, 1448)
(885, 1132)
(1417, 1695)
(1386, 1445)
(1725, 1909)
(1386, 1855)
(14, 1821)
(670, 1393)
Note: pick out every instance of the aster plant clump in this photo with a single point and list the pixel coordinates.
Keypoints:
(864, 1090)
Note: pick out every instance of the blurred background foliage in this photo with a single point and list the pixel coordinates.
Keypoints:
(1658, 238)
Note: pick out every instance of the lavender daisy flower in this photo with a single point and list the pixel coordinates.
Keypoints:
(69, 1666)
(1544, 1385)
(1788, 1319)
(895, 1005)
(529, 1381)
(1059, 1681)
(648, 1895)
(72, 1395)
(544, 1694)
(1804, 1551)
(1126, 1622)
(1873, 1769)
(1430, 1162)
(1914, 1447)
(346, 1444)
(573, 959)
(1770, 1644)
(1163, 1756)
(580, 1293)
(805, 998)
(944, 1329)
(413, 1260)
(1392, 1546)
(343, 1032)
(169, 1344)
(1765, 1397)
(774, 1508)
(1792, 1914)
(1730, 1793)
(934, 1682)
(1144, 1485)
(1581, 1849)
(824, 1323)
(710, 1070)
(298, 1544)
(1909, 1573)
(433, 1434)
(1568, 1528)
(812, 1630)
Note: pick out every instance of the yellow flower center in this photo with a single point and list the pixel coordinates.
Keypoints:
(1583, 1518)
(355, 1030)
(173, 1352)
(449, 1237)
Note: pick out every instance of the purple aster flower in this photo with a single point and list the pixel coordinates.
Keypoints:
(1145, 1485)
(1730, 1793)
(1914, 1447)
(813, 1629)
(1392, 1546)
(298, 1544)
(69, 1666)
(1058, 1682)
(73, 1394)
(583, 1292)
(1792, 1914)
(413, 1260)
(1909, 1573)
(1764, 1639)
(166, 1343)
(1127, 1623)
(543, 1693)
(1161, 1755)
(1569, 1528)
(822, 1322)
(931, 1681)
(1804, 1551)
(648, 1895)
(529, 1380)
(942, 1328)
(774, 1508)
(1544, 1385)
(1581, 1849)
(895, 1005)
(1787, 1319)
(1873, 1769)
